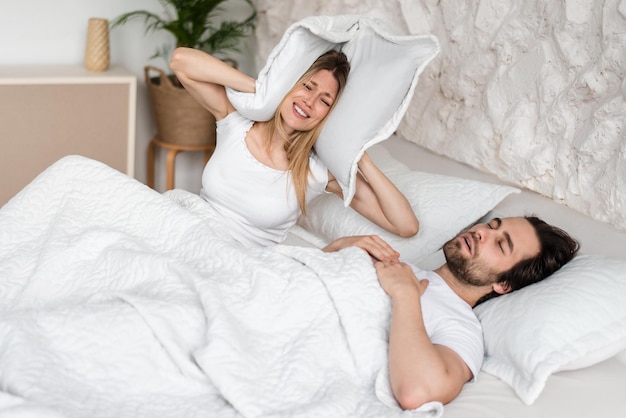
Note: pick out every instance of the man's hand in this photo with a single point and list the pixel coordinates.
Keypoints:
(419, 371)
(398, 279)
(374, 245)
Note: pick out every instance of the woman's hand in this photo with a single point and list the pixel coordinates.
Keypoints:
(374, 245)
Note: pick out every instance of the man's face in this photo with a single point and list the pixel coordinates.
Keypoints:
(479, 255)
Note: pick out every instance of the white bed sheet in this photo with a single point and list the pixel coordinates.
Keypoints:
(593, 392)
(156, 359)
(117, 302)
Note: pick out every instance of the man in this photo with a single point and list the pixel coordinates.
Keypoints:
(435, 340)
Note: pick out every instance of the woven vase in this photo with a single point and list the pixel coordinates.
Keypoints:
(97, 54)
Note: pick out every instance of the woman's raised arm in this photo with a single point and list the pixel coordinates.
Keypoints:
(205, 78)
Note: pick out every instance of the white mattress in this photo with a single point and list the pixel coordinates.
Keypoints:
(593, 392)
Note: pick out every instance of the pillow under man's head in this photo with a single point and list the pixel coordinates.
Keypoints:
(384, 72)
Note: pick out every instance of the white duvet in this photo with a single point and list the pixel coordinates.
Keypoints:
(117, 301)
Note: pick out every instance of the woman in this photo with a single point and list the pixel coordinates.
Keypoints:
(262, 174)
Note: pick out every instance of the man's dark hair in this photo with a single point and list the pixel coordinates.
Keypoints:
(557, 248)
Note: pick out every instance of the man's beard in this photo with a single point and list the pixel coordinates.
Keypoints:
(472, 270)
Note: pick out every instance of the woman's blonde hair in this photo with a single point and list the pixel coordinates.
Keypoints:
(299, 145)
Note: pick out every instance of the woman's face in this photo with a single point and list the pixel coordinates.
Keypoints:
(309, 103)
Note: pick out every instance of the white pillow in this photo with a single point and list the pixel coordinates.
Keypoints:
(384, 72)
(444, 205)
(573, 319)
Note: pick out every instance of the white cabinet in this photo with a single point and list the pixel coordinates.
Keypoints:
(48, 112)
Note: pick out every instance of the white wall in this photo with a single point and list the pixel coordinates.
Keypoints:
(532, 91)
(54, 32)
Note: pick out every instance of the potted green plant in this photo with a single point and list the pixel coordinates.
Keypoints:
(197, 24)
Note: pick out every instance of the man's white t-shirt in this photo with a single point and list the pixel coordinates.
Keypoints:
(450, 321)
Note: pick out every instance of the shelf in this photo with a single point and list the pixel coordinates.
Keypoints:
(48, 112)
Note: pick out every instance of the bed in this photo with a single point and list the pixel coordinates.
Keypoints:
(120, 301)
(582, 382)
(586, 392)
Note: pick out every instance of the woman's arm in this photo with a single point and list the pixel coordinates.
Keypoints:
(377, 199)
(374, 245)
(205, 78)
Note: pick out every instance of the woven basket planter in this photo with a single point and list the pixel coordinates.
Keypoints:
(179, 118)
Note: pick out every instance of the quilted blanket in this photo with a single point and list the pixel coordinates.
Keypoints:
(118, 301)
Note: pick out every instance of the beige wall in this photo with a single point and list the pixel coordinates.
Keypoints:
(531, 91)
(45, 32)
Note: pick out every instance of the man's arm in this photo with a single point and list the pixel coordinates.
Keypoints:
(419, 370)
